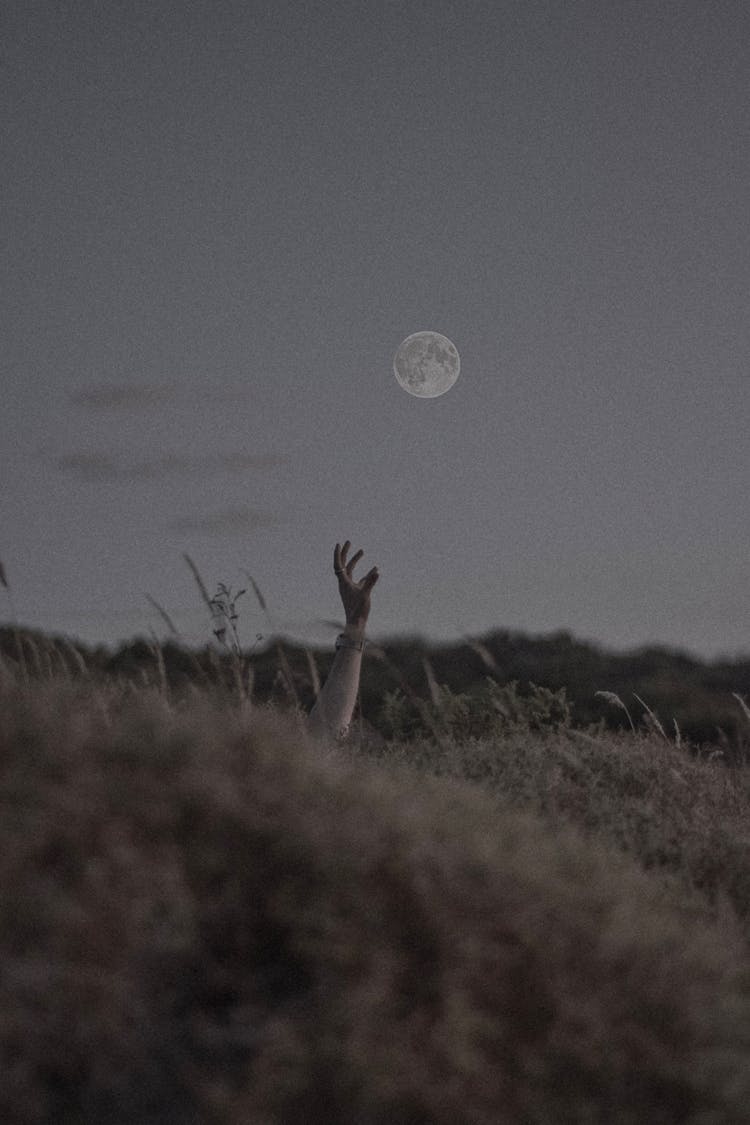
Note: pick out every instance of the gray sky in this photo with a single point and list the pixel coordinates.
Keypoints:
(220, 218)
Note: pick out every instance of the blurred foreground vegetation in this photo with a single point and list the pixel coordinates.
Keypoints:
(484, 907)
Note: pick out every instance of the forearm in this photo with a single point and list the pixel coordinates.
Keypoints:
(335, 704)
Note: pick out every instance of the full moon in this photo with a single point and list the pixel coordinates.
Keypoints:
(426, 364)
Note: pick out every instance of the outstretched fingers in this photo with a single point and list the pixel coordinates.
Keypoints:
(339, 556)
(370, 579)
(354, 560)
(345, 569)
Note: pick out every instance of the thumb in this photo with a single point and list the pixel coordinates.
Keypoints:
(370, 579)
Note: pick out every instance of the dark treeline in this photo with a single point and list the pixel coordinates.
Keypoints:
(403, 678)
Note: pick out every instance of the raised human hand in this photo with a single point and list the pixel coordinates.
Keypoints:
(355, 595)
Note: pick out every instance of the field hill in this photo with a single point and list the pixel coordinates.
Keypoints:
(206, 915)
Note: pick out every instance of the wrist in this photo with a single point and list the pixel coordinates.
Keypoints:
(352, 637)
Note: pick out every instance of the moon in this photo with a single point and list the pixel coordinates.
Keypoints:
(426, 364)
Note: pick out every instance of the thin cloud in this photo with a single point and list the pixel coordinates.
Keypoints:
(227, 521)
(124, 396)
(142, 396)
(237, 462)
(89, 467)
(95, 468)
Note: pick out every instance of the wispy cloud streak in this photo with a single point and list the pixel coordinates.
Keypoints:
(95, 468)
(143, 396)
(124, 396)
(227, 521)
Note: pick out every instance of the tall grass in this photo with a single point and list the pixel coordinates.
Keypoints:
(208, 916)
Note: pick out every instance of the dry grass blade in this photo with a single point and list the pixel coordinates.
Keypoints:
(47, 650)
(483, 653)
(77, 657)
(159, 658)
(30, 645)
(432, 683)
(613, 698)
(286, 672)
(260, 599)
(653, 718)
(62, 664)
(199, 582)
(314, 676)
(20, 655)
(743, 705)
(164, 615)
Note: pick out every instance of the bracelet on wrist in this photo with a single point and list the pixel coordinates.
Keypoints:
(343, 641)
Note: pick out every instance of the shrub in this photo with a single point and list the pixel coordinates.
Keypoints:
(209, 916)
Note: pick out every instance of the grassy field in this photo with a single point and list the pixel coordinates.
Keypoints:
(208, 916)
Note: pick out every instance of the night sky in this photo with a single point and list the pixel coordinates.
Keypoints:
(220, 218)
